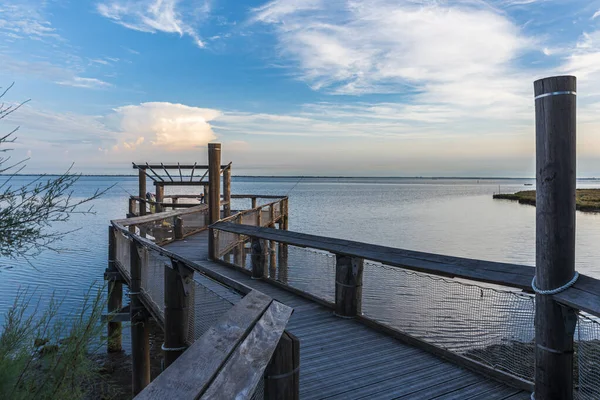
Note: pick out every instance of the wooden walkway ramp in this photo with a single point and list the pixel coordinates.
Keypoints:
(344, 359)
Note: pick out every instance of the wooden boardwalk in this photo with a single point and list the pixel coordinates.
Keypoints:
(344, 359)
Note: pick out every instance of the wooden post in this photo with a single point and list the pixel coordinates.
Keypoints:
(282, 258)
(140, 341)
(160, 197)
(258, 257)
(177, 279)
(115, 295)
(178, 228)
(555, 109)
(142, 190)
(259, 217)
(214, 195)
(239, 255)
(282, 375)
(227, 191)
(348, 285)
(132, 207)
(253, 202)
(205, 194)
(284, 213)
(272, 259)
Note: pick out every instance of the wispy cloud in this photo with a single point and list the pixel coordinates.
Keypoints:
(88, 83)
(168, 16)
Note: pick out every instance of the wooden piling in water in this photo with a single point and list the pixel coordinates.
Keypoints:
(555, 112)
(348, 285)
(178, 228)
(177, 277)
(115, 295)
(140, 341)
(282, 375)
(214, 195)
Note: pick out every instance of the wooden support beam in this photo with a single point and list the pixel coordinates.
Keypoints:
(192, 174)
(227, 192)
(282, 375)
(132, 208)
(160, 197)
(176, 166)
(154, 172)
(140, 340)
(214, 195)
(142, 191)
(115, 295)
(348, 285)
(239, 256)
(168, 174)
(258, 258)
(272, 259)
(180, 174)
(555, 112)
(177, 280)
(253, 202)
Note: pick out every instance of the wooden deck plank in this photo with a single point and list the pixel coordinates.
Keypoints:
(345, 359)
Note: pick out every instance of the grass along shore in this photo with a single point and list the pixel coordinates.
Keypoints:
(587, 200)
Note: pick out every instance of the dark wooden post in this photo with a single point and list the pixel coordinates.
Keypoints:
(555, 109)
(115, 294)
(253, 202)
(272, 259)
(140, 341)
(177, 279)
(214, 195)
(239, 255)
(205, 194)
(142, 190)
(160, 197)
(259, 217)
(282, 261)
(348, 285)
(282, 375)
(227, 191)
(258, 257)
(271, 216)
(178, 228)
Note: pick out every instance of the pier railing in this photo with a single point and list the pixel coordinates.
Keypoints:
(193, 304)
(476, 313)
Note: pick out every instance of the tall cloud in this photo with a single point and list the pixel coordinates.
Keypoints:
(161, 125)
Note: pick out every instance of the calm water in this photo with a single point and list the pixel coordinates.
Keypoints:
(454, 217)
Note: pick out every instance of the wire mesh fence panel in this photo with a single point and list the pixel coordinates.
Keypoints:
(194, 221)
(153, 275)
(228, 245)
(250, 218)
(587, 358)
(489, 325)
(208, 301)
(159, 231)
(277, 209)
(122, 244)
(265, 216)
(311, 271)
(259, 391)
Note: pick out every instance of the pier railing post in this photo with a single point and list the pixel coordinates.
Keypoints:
(282, 375)
(555, 109)
(178, 228)
(214, 195)
(142, 190)
(132, 207)
(253, 202)
(177, 278)
(227, 191)
(348, 285)
(160, 198)
(140, 341)
(258, 257)
(115, 294)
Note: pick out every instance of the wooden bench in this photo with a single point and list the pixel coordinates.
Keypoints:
(247, 345)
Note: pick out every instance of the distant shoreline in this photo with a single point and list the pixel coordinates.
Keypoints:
(323, 177)
(586, 200)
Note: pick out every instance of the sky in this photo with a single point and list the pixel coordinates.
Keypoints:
(295, 87)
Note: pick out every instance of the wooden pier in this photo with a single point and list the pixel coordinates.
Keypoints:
(252, 310)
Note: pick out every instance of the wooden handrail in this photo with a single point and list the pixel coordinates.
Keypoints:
(230, 357)
(158, 216)
(583, 295)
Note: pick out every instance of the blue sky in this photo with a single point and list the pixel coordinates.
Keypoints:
(316, 87)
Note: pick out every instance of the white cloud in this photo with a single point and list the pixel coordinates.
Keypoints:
(169, 16)
(163, 126)
(25, 18)
(88, 83)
